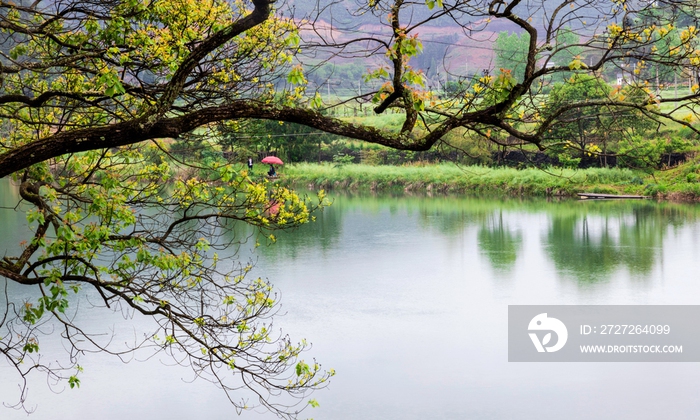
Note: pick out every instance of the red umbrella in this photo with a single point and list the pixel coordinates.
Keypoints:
(273, 160)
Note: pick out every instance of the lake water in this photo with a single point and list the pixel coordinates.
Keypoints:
(406, 297)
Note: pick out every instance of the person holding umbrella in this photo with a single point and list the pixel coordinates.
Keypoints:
(272, 160)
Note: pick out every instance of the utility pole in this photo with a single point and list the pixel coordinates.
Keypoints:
(359, 93)
(658, 88)
(675, 85)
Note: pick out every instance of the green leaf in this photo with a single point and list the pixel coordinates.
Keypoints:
(302, 368)
(296, 76)
(317, 102)
(577, 65)
(73, 382)
(418, 105)
(112, 84)
(18, 51)
(31, 347)
(292, 40)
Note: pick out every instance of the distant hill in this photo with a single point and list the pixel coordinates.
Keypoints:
(450, 49)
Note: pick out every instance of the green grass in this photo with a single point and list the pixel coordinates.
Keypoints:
(386, 121)
(448, 177)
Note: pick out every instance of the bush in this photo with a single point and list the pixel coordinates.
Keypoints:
(372, 157)
(645, 154)
(566, 161)
(341, 159)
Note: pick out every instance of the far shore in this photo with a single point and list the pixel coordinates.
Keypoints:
(676, 184)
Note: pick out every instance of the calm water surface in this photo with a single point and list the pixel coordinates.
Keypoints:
(406, 297)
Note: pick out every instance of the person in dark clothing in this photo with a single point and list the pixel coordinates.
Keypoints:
(272, 172)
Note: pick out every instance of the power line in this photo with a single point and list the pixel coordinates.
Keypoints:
(313, 133)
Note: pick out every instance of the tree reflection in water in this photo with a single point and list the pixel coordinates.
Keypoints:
(587, 242)
(498, 242)
(590, 246)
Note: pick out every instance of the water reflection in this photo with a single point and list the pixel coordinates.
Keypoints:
(323, 234)
(591, 243)
(13, 230)
(499, 242)
(380, 282)
(585, 242)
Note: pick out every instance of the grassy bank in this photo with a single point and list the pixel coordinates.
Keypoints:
(448, 177)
